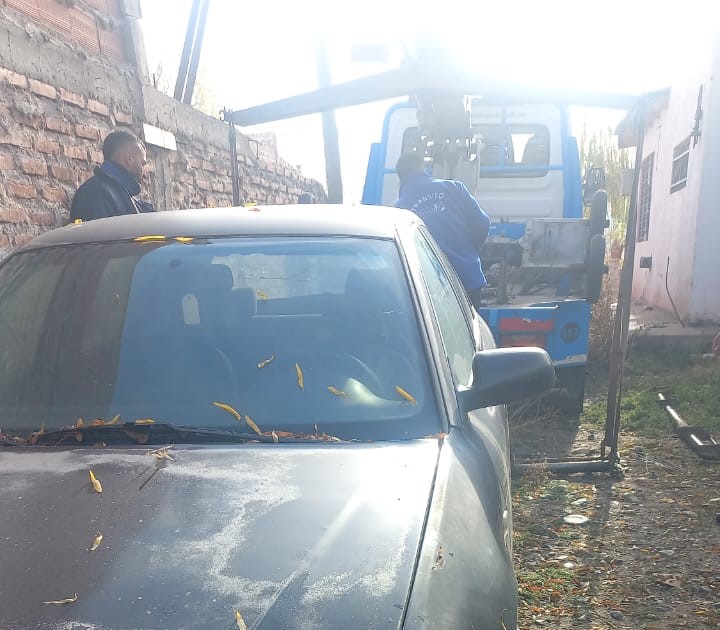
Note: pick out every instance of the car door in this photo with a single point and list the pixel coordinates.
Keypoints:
(463, 333)
(465, 576)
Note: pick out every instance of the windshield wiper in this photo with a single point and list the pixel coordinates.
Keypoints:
(134, 433)
(163, 432)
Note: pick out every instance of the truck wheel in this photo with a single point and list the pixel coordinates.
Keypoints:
(598, 213)
(595, 268)
(572, 381)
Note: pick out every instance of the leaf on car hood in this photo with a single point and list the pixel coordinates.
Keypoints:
(97, 486)
(265, 362)
(96, 542)
(240, 621)
(32, 440)
(300, 377)
(338, 392)
(62, 602)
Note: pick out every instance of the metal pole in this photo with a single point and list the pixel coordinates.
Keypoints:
(234, 172)
(195, 57)
(187, 49)
(618, 351)
(330, 134)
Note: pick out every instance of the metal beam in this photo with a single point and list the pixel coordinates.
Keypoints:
(187, 50)
(413, 79)
(195, 57)
(333, 174)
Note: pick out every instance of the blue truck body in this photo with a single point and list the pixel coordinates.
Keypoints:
(526, 199)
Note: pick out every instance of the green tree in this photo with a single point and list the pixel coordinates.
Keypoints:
(599, 148)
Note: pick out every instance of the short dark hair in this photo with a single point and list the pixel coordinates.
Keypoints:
(410, 163)
(116, 140)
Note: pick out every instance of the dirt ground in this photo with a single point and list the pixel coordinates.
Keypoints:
(648, 555)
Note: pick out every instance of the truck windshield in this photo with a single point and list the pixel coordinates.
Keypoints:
(293, 332)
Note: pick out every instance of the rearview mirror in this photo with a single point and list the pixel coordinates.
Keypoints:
(505, 375)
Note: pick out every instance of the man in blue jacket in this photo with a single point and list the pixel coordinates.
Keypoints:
(112, 190)
(456, 221)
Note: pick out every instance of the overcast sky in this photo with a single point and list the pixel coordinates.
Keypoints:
(261, 51)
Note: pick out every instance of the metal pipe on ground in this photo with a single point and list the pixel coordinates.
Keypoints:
(698, 439)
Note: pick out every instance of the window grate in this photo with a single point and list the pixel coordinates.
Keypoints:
(645, 197)
(681, 159)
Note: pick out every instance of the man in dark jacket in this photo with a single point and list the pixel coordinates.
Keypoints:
(111, 191)
(456, 221)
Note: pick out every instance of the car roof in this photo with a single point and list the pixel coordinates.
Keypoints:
(288, 220)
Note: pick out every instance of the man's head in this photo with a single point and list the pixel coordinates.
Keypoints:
(125, 149)
(409, 164)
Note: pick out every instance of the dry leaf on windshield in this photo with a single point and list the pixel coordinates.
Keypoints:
(79, 424)
(96, 423)
(96, 542)
(252, 425)
(439, 558)
(97, 486)
(262, 364)
(275, 437)
(300, 377)
(35, 435)
(240, 621)
(262, 295)
(115, 420)
(145, 421)
(62, 602)
(406, 395)
(338, 392)
(229, 409)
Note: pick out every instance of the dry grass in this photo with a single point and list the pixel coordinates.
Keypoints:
(603, 317)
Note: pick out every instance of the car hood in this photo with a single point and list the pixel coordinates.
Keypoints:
(291, 536)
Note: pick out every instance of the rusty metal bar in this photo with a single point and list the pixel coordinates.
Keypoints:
(698, 439)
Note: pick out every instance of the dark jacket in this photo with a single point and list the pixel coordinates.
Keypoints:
(455, 220)
(109, 192)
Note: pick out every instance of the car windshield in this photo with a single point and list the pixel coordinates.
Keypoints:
(295, 333)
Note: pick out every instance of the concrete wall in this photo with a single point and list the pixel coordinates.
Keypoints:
(57, 103)
(705, 296)
(674, 223)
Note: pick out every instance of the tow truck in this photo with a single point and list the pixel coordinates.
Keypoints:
(511, 144)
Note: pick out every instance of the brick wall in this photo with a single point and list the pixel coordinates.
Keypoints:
(56, 106)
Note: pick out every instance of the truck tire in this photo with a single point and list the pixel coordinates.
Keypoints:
(595, 268)
(598, 213)
(572, 381)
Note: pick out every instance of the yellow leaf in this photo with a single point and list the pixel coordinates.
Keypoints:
(115, 419)
(152, 237)
(252, 425)
(240, 621)
(300, 377)
(407, 396)
(262, 295)
(162, 453)
(79, 424)
(145, 421)
(275, 437)
(229, 409)
(184, 239)
(67, 600)
(96, 542)
(338, 392)
(97, 486)
(262, 364)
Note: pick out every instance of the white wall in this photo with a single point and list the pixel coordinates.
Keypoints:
(705, 295)
(674, 216)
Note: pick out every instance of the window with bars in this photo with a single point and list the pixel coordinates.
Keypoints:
(681, 158)
(645, 197)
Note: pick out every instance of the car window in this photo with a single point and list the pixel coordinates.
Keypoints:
(456, 334)
(293, 332)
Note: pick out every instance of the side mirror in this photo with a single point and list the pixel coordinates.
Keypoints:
(505, 375)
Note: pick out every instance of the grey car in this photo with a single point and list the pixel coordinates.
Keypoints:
(273, 417)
